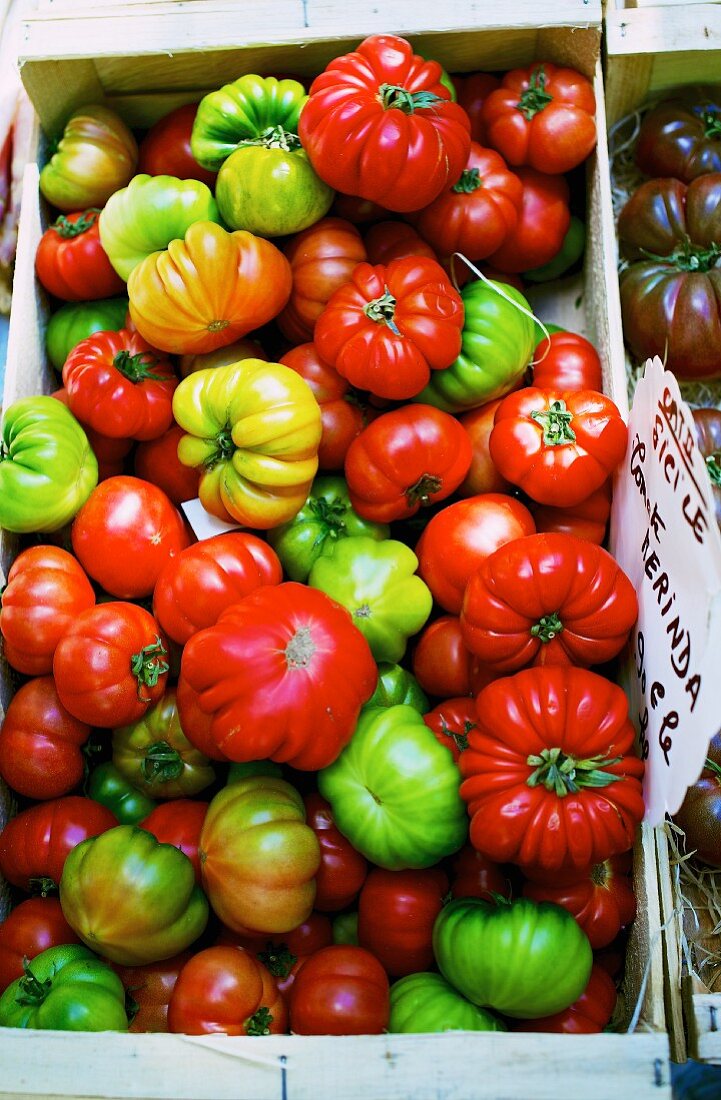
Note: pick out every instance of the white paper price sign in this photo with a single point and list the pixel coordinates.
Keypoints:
(665, 537)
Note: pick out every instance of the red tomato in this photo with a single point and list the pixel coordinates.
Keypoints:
(476, 877)
(31, 927)
(157, 462)
(482, 477)
(340, 990)
(72, 264)
(542, 225)
(226, 990)
(396, 914)
(601, 898)
(388, 326)
(165, 149)
(282, 676)
(441, 663)
(390, 240)
(322, 258)
(283, 955)
(117, 386)
(472, 91)
(178, 823)
(587, 520)
(559, 446)
(148, 991)
(357, 210)
(110, 665)
(343, 415)
(40, 742)
(405, 460)
(458, 538)
(36, 842)
(566, 361)
(589, 1015)
(46, 590)
(475, 215)
(125, 533)
(110, 453)
(451, 722)
(542, 116)
(342, 869)
(197, 585)
(547, 600)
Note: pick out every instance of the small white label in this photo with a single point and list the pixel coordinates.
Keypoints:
(665, 537)
(204, 525)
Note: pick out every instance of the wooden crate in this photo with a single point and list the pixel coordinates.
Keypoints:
(649, 52)
(176, 60)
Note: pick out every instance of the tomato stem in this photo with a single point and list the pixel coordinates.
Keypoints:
(561, 774)
(469, 182)
(423, 490)
(148, 665)
(300, 649)
(712, 123)
(330, 514)
(535, 97)
(42, 886)
(713, 467)
(30, 990)
(259, 1023)
(224, 448)
(274, 137)
(161, 763)
(713, 767)
(137, 368)
(67, 229)
(382, 311)
(279, 960)
(459, 739)
(556, 424)
(392, 96)
(547, 627)
(688, 257)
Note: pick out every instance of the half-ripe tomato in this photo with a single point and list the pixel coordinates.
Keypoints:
(482, 477)
(441, 662)
(460, 537)
(31, 927)
(340, 990)
(566, 361)
(390, 240)
(36, 842)
(111, 665)
(157, 462)
(46, 590)
(475, 876)
(71, 262)
(477, 212)
(542, 225)
(40, 742)
(396, 914)
(165, 149)
(197, 585)
(322, 259)
(452, 721)
(118, 386)
(601, 898)
(343, 415)
(588, 1015)
(226, 990)
(342, 869)
(148, 990)
(179, 823)
(587, 520)
(405, 460)
(95, 156)
(125, 533)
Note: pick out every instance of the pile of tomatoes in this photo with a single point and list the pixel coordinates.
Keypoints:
(341, 758)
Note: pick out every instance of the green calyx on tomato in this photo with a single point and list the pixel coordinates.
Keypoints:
(382, 311)
(535, 97)
(393, 97)
(148, 665)
(564, 774)
(547, 628)
(67, 229)
(137, 367)
(714, 468)
(274, 137)
(259, 1023)
(556, 424)
(67, 988)
(688, 257)
(469, 182)
(279, 960)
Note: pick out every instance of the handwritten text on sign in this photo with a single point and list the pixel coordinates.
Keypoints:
(664, 536)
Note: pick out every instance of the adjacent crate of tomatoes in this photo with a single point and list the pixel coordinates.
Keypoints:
(391, 382)
(664, 111)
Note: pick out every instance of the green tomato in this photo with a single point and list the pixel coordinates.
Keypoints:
(523, 958)
(130, 898)
(65, 988)
(47, 466)
(148, 214)
(496, 347)
(426, 1002)
(376, 582)
(326, 516)
(107, 786)
(76, 320)
(397, 685)
(569, 254)
(394, 791)
(243, 110)
(269, 187)
(345, 929)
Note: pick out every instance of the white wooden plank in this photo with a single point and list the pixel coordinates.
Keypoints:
(691, 28)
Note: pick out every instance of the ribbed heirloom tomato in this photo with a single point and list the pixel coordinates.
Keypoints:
(226, 990)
